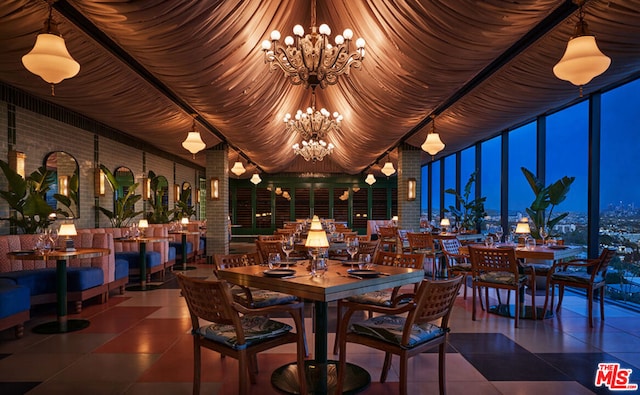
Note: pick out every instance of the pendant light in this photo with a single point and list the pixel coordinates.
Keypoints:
(49, 57)
(193, 143)
(255, 179)
(370, 179)
(238, 168)
(582, 60)
(388, 168)
(432, 145)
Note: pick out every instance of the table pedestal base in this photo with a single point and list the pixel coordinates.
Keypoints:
(285, 378)
(509, 310)
(61, 326)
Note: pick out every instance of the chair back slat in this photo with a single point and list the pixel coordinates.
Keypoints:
(411, 261)
(226, 261)
(209, 300)
(485, 260)
(603, 263)
(420, 241)
(267, 247)
(434, 300)
(368, 247)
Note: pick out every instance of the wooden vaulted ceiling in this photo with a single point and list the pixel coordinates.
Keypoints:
(479, 66)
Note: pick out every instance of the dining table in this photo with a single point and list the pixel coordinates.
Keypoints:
(62, 323)
(538, 258)
(335, 284)
(142, 242)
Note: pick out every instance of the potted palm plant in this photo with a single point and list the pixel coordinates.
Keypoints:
(546, 198)
(471, 212)
(124, 206)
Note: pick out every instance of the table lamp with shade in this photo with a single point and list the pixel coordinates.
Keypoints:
(184, 221)
(522, 229)
(143, 224)
(316, 239)
(68, 230)
(444, 224)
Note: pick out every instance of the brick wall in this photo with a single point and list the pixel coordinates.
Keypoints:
(218, 210)
(409, 167)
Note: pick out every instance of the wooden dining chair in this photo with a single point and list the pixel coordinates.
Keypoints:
(367, 248)
(388, 236)
(265, 247)
(249, 296)
(423, 243)
(455, 261)
(234, 330)
(385, 297)
(587, 274)
(498, 268)
(405, 330)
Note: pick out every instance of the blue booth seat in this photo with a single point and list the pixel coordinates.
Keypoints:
(82, 278)
(39, 281)
(15, 302)
(121, 275)
(153, 258)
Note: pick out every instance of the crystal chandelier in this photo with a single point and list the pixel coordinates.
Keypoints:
(310, 59)
(313, 126)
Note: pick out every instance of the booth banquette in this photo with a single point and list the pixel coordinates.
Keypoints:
(26, 282)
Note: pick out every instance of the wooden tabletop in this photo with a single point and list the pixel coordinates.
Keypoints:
(58, 254)
(541, 252)
(327, 288)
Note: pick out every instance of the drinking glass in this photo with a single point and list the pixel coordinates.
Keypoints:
(274, 260)
(544, 232)
(529, 242)
(364, 261)
(53, 236)
(352, 249)
(499, 233)
(287, 246)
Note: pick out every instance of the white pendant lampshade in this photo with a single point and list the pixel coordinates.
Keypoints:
(255, 179)
(370, 179)
(433, 144)
(49, 57)
(388, 169)
(238, 169)
(582, 60)
(194, 143)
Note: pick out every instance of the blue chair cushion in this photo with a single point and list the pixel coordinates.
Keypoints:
(389, 329)
(82, 278)
(133, 257)
(38, 281)
(256, 329)
(203, 243)
(379, 298)
(172, 252)
(13, 298)
(500, 278)
(577, 277)
(122, 269)
(264, 297)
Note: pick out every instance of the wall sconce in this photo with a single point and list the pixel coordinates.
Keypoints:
(16, 161)
(146, 188)
(214, 189)
(411, 189)
(196, 196)
(176, 192)
(63, 185)
(98, 179)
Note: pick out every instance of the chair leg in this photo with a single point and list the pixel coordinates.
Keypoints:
(403, 374)
(339, 318)
(197, 368)
(473, 304)
(385, 367)
(601, 295)
(590, 306)
(560, 296)
(518, 301)
(242, 373)
(442, 382)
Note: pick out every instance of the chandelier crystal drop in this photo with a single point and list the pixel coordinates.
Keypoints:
(311, 59)
(313, 125)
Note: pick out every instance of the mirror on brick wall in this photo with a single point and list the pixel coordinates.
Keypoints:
(63, 195)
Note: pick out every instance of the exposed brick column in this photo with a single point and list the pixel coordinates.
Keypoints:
(409, 160)
(217, 211)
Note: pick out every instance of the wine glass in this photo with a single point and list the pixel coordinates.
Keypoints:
(53, 236)
(352, 249)
(499, 233)
(544, 232)
(287, 246)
